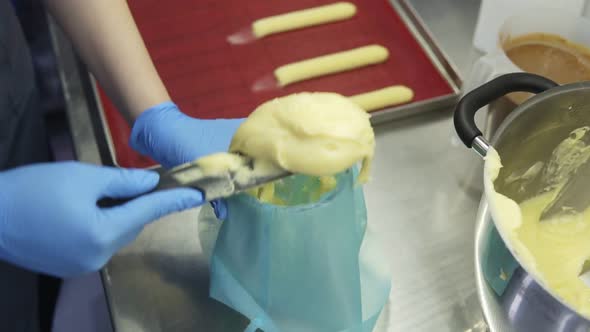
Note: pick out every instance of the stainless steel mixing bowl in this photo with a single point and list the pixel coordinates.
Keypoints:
(528, 135)
(524, 305)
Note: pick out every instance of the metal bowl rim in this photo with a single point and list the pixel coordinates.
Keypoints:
(484, 215)
(536, 99)
(482, 218)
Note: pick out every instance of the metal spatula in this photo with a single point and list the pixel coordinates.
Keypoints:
(250, 174)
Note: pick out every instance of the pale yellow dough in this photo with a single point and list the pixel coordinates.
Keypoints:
(553, 250)
(316, 134)
(505, 212)
(219, 163)
(330, 64)
(266, 193)
(559, 248)
(379, 99)
(303, 18)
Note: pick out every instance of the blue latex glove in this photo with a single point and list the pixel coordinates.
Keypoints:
(50, 223)
(171, 138)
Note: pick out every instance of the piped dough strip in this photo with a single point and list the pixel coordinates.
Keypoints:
(303, 18)
(379, 99)
(330, 64)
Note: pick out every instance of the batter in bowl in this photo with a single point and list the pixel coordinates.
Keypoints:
(553, 250)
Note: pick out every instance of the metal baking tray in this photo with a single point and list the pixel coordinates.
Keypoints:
(437, 56)
(116, 130)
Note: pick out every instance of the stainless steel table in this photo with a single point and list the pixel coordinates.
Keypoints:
(422, 202)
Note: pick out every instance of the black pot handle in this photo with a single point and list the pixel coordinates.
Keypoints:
(464, 117)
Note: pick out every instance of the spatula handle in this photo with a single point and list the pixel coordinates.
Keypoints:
(167, 181)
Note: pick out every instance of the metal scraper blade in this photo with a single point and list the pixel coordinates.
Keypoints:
(249, 173)
(573, 197)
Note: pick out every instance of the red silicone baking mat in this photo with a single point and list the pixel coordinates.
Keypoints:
(209, 78)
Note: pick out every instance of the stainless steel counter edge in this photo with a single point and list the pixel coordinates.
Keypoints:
(86, 145)
(81, 127)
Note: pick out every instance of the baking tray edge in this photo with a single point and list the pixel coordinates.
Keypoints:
(437, 57)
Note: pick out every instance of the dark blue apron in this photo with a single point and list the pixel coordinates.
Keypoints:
(22, 141)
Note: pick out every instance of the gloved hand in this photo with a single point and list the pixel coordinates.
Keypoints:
(49, 220)
(171, 138)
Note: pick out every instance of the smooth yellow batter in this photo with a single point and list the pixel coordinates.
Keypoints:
(219, 163)
(267, 192)
(554, 250)
(330, 64)
(505, 212)
(318, 134)
(386, 97)
(303, 18)
(559, 247)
